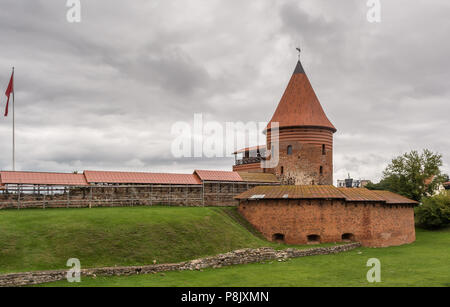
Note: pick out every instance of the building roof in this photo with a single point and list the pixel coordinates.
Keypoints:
(393, 198)
(299, 105)
(42, 178)
(111, 177)
(218, 176)
(322, 192)
(140, 178)
(292, 192)
(360, 194)
(259, 177)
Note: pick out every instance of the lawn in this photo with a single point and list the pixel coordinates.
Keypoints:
(423, 263)
(45, 239)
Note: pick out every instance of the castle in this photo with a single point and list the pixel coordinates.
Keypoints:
(292, 201)
(307, 208)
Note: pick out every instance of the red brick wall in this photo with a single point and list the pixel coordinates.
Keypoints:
(302, 167)
(372, 224)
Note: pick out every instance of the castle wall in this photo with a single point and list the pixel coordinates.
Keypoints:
(371, 223)
(392, 225)
(208, 194)
(107, 196)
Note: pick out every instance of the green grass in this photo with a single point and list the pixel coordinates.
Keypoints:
(45, 239)
(423, 263)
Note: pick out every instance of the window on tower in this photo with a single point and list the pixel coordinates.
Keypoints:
(321, 170)
(323, 149)
(282, 170)
(289, 150)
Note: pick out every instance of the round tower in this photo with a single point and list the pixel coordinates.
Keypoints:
(305, 135)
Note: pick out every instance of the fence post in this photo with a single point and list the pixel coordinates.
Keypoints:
(43, 204)
(203, 193)
(90, 200)
(68, 197)
(18, 196)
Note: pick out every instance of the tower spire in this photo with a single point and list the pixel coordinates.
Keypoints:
(299, 68)
(299, 106)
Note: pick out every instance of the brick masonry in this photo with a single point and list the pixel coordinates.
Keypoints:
(242, 256)
(373, 224)
(311, 158)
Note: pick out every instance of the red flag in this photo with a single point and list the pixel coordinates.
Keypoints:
(8, 92)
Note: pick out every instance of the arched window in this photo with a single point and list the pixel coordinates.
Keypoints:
(323, 150)
(289, 150)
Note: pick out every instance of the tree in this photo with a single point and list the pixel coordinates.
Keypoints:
(434, 212)
(412, 175)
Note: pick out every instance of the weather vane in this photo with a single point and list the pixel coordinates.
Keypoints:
(299, 51)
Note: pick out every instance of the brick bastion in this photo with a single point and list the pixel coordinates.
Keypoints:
(321, 214)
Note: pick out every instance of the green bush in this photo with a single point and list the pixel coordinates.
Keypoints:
(434, 212)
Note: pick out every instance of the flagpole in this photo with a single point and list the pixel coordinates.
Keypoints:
(14, 130)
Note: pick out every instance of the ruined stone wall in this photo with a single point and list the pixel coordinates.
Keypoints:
(242, 256)
(371, 223)
(303, 166)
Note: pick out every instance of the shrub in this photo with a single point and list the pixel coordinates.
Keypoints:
(434, 212)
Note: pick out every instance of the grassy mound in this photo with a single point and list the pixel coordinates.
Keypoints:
(45, 239)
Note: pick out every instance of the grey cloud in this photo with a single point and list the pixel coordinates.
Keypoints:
(104, 93)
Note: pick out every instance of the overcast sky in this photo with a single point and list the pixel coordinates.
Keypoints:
(103, 94)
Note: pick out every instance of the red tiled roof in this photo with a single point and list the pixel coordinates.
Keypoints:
(218, 176)
(292, 192)
(393, 198)
(43, 178)
(254, 148)
(140, 178)
(299, 106)
(360, 194)
(323, 192)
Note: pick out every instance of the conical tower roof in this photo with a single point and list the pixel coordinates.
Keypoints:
(299, 106)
